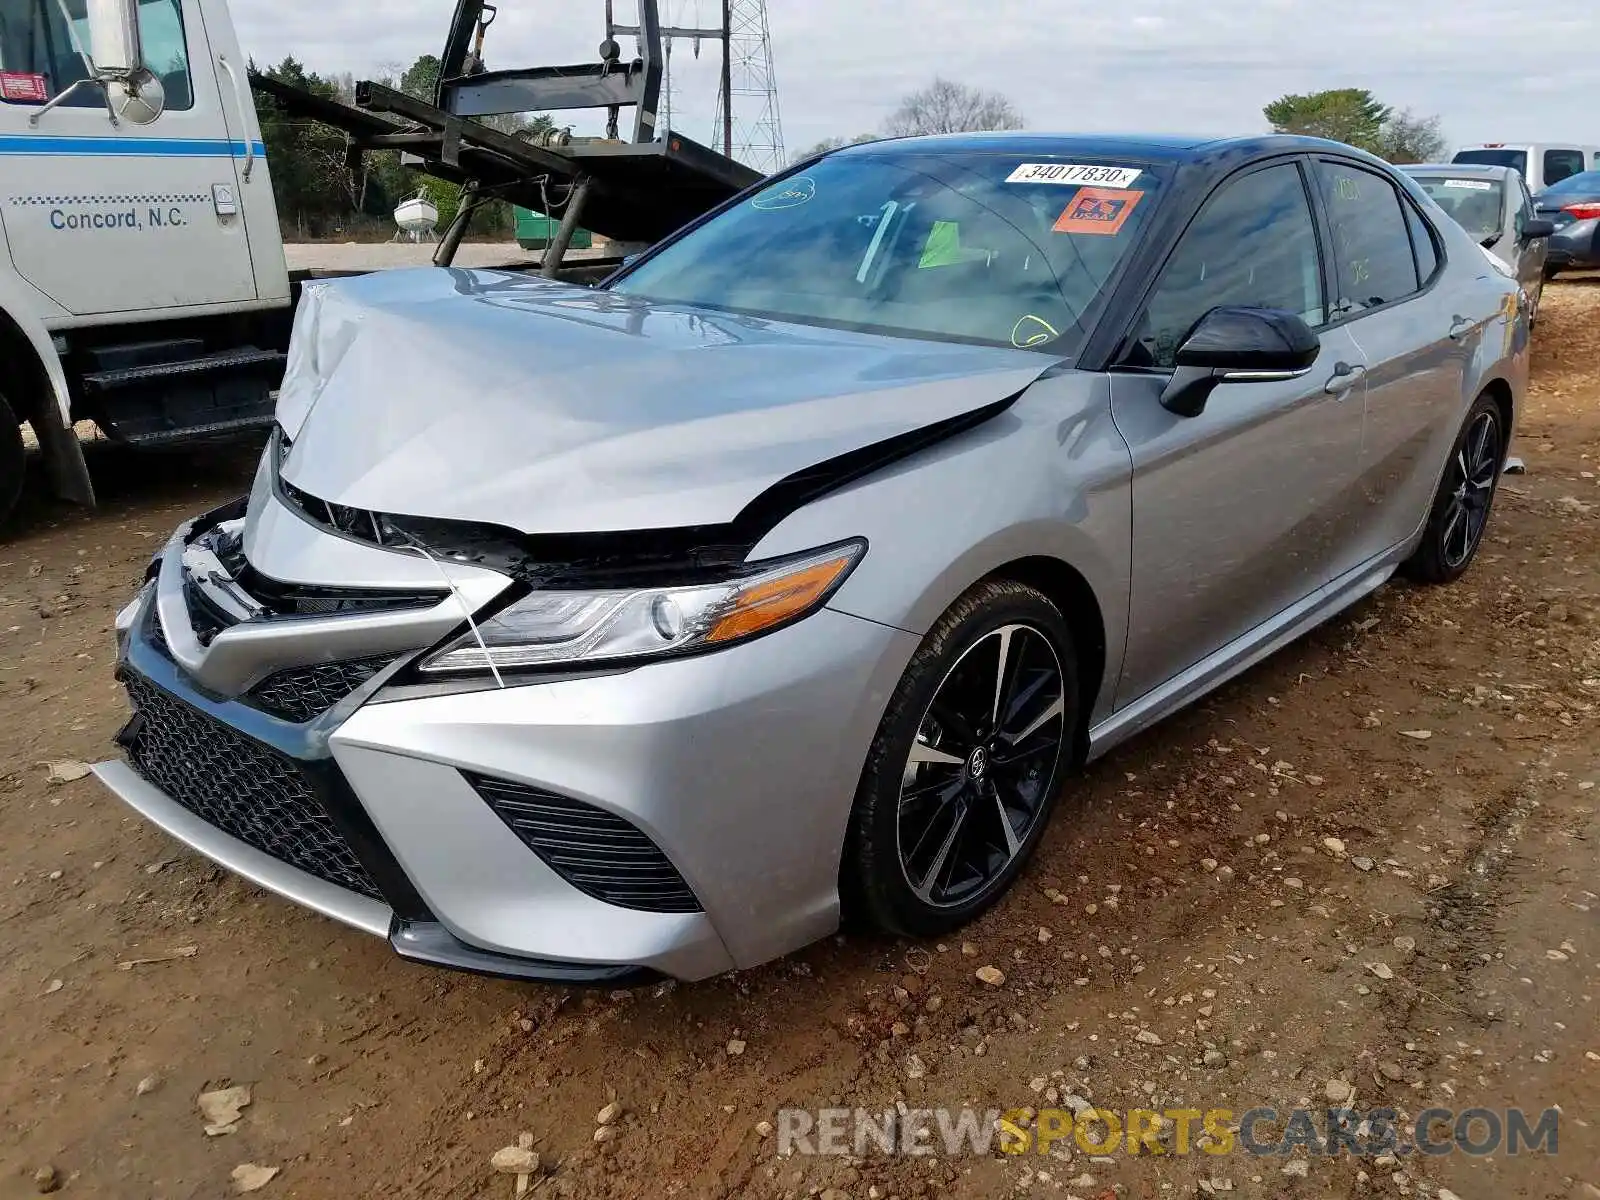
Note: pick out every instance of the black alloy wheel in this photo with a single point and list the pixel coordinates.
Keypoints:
(976, 776)
(1472, 477)
(1465, 498)
(967, 762)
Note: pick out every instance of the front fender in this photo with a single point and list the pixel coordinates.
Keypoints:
(17, 303)
(50, 415)
(1049, 478)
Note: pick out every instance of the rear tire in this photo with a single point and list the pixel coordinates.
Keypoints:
(964, 771)
(11, 460)
(1465, 499)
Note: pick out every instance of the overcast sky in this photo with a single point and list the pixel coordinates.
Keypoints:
(1494, 70)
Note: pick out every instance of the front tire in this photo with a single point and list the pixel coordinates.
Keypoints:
(1465, 498)
(11, 460)
(968, 758)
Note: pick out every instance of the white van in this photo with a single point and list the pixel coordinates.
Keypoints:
(1540, 164)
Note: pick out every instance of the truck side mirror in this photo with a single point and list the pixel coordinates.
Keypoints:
(133, 92)
(114, 37)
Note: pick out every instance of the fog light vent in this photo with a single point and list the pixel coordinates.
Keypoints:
(595, 851)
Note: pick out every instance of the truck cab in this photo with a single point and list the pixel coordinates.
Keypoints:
(142, 284)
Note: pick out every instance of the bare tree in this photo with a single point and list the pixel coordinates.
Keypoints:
(947, 107)
(833, 143)
(1407, 138)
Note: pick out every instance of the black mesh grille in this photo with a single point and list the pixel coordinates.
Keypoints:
(302, 694)
(595, 851)
(243, 788)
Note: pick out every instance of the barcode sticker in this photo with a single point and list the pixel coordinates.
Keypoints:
(1074, 174)
(1474, 185)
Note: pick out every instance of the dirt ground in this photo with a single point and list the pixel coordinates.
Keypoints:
(1282, 895)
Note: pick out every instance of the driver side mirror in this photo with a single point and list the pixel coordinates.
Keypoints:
(1233, 344)
(1536, 228)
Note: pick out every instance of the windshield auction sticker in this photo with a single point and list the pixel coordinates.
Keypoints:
(1472, 185)
(1074, 174)
(792, 193)
(1101, 211)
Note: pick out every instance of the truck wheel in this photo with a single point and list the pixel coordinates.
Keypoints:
(10, 460)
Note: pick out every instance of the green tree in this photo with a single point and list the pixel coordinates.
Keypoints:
(421, 79)
(1357, 118)
(1349, 115)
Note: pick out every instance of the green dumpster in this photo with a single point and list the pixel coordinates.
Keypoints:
(535, 231)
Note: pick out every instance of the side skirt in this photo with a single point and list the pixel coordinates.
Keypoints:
(1245, 652)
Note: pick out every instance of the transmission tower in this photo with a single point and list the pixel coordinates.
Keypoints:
(749, 91)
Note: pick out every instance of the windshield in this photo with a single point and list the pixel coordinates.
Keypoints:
(1515, 159)
(998, 249)
(1584, 183)
(1478, 205)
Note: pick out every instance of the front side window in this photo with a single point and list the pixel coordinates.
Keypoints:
(983, 247)
(1561, 164)
(39, 56)
(1372, 256)
(1254, 244)
(1524, 212)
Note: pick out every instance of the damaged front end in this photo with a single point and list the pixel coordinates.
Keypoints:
(332, 682)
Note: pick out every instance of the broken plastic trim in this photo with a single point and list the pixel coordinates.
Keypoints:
(630, 558)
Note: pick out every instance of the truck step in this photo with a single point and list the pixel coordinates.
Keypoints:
(254, 421)
(142, 354)
(247, 359)
(211, 396)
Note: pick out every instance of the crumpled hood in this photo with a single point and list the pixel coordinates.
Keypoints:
(492, 397)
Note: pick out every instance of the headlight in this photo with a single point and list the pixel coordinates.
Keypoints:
(582, 627)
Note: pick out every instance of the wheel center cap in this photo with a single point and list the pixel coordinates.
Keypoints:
(978, 764)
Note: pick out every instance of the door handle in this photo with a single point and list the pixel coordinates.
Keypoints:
(1345, 376)
(1459, 326)
(244, 117)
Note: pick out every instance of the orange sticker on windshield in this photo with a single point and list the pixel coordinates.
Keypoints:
(1102, 211)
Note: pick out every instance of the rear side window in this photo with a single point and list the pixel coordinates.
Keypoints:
(1372, 254)
(1560, 164)
(1254, 243)
(1423, 246)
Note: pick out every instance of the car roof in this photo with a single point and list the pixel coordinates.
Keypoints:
(1157, 148)
(1462, 170)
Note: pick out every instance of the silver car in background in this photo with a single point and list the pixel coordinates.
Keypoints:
(789, 575)
(1493, 205)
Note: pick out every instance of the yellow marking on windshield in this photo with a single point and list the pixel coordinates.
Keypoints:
(943, 248)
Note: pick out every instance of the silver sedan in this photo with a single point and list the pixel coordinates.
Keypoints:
(788, 576)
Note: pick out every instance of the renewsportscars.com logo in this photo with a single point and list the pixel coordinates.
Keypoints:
(1372, 1133)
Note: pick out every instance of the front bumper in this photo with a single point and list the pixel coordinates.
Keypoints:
(1575, 246)
(740, 767)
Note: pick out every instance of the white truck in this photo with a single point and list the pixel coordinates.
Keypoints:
(144, 285)
(145, 288)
